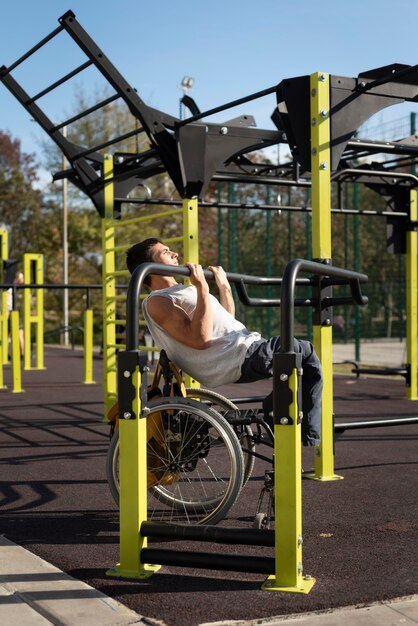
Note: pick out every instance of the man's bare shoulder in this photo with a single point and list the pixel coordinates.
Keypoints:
(159, 305)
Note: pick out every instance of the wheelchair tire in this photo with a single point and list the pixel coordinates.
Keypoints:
(195, 463)
(243, 432)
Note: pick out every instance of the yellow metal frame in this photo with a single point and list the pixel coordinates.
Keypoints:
(133, 491)
(321, 248)
(4, 336)
(190, 230)
(132, 433)
(4, 313)
(88, 347)
(15, 352)
(109, 288)
(191, 247)
(411, 298)
(288, 574)
(110, 226)
(33, 302)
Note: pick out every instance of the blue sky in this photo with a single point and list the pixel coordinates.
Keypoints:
(231, 48)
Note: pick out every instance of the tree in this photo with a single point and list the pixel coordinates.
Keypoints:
(21, 203)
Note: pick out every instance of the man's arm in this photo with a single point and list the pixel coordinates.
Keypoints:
(225, 292)
(195, 332)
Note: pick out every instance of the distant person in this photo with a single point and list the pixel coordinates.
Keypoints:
(18, 280)
(201, 335)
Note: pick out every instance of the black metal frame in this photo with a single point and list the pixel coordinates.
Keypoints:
(193, 152)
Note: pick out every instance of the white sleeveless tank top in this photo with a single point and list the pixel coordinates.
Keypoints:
(221, 362)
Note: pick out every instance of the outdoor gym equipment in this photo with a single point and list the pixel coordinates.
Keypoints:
(317, 116)
(285, 569)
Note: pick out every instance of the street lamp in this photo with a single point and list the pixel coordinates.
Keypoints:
(186, 85)
(65, 244)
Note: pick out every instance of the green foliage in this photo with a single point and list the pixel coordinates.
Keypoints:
(21, 204)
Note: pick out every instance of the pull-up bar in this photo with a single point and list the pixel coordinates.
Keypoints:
(288, 283)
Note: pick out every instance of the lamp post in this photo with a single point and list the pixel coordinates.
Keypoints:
(186, 85)
(65, 245)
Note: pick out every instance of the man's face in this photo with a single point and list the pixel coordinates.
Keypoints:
(162, 254)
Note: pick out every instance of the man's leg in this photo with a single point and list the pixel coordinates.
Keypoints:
(259, 364)
(311, 393)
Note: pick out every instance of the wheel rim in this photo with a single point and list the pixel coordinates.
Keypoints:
(199, 465)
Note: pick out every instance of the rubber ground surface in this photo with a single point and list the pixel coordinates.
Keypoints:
(360, 533)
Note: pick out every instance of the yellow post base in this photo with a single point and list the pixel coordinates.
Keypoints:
(411, 393)
(323, 479)
(2, 385)
(306, 584)
(145, 572)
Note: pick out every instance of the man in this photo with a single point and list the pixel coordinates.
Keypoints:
(201, 335)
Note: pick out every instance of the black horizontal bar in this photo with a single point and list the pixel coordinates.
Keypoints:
(389, 78)
(247, 300)
(376, 423)
(92, 109)
(49, 286)
(387, 371)
(216, 534)
(373, 147)
(340, 300)
(228, 105)
(374, 173)
(34, 49)
(206, 560)
(60, 82)
(110, 142)
(247, 400)
(263, 207)
(261, 180)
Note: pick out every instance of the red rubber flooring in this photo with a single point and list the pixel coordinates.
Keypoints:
(360, 533)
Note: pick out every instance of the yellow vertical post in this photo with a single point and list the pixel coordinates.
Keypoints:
(15, 352)
(33, 309)
(321, 248)
(4, 353)
(109, 288)
(190, 230)
(4, 319)
(88, 347)
(133, 487)
(411, 299)
(288, 491)
(4, 336)
(191, 246)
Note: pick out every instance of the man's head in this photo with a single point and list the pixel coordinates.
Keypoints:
(140, 253)
(150, 250)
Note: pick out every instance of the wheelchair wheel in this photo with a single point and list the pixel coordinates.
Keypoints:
(243, 432)
(195, 463)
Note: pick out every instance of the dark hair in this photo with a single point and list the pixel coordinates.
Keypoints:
(141, 253)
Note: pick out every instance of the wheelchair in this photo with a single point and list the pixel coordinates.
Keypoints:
(201, 449)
